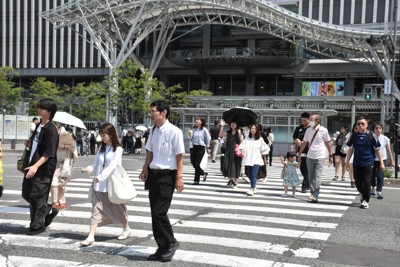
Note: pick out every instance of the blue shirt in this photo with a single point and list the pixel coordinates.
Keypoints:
(364, 147)
(201, 137)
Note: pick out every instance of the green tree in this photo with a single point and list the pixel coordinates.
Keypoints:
(10, 95)
(180, 99)
(42, 88)
(89, 101)
(134, 91)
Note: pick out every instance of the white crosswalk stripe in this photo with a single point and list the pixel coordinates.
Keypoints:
(205, 217)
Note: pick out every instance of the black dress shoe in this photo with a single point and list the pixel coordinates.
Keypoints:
(205, 176)
(1, 190)
(155, 256)
(169, 254)
(36, 231)
(50, 217)
(303, 190)
(213, 161)
(196, 183)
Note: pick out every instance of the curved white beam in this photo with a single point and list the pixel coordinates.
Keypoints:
(127, 22)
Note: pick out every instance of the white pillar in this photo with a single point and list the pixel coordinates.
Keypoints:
(341, 12)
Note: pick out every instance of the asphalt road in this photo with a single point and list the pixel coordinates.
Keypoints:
(217, 226)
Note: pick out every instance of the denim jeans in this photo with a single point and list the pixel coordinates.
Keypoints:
(377, 176)
(253, 170)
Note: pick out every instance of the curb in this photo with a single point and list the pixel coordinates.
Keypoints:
(392, 182)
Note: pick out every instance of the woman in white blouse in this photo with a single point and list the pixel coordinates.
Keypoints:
(108, 161)
(255, 151)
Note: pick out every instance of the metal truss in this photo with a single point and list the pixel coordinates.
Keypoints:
(120, 26)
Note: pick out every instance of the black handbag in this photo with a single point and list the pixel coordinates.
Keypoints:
(23, 162)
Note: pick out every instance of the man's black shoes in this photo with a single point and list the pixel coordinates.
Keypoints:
(164, 255)
(205, 176)
(50, 217)
(36, 231)
(169, 254)
(1, 190)
(156, 256)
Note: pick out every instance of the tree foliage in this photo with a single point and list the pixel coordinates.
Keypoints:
(134, 91)
(42, 88)
(131, 91)
(89, 101)
(10, 95)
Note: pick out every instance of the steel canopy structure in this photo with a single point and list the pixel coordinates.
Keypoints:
(117, 27)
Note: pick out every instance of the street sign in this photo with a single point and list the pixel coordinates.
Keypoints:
(388, 87)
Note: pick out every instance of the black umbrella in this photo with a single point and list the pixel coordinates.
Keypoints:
(241, 115)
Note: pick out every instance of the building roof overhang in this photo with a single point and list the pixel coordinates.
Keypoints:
(259, 112)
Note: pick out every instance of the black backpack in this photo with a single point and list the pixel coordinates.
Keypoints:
(92, 137)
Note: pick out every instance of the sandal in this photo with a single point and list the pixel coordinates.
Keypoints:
(336, 178)
(62, 206)
(343, 178)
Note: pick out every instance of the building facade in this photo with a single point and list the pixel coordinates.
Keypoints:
(225, 60)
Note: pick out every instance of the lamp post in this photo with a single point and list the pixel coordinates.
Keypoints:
(393, 73)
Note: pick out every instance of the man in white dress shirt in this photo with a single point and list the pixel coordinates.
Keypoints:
(317, 140)
(162, 172)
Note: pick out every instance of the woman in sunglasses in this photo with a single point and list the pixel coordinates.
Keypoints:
(365, 146)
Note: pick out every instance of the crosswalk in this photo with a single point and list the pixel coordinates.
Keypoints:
(216, 225)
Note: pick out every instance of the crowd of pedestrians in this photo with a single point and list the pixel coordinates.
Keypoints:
(361, 152)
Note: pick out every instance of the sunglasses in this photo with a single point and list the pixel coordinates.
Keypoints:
(378, 127)
(360, 123)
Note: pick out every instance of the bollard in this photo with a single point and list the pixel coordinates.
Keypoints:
(13, 144)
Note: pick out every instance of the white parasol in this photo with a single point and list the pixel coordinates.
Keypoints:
(68, 119)
(141, 128)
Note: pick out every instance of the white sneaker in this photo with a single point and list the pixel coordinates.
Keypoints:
(364, 205)
(293, 195)
(245, 178)
(87, 242)
(250, 192)
(285, 195)
(125, 234)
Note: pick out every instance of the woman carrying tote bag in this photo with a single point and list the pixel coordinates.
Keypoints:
(66, 155)
(108, 162)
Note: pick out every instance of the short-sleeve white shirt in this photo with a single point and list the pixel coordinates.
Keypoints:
(33, 126)
(165, 143)
(384, 141)
(318, 147)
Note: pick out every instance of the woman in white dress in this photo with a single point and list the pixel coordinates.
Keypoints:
(108, 161)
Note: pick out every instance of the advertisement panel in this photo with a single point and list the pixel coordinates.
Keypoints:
(322, 88)
(22, 127)
(10, 126)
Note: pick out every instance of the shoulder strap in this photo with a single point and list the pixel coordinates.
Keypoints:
(309, 145)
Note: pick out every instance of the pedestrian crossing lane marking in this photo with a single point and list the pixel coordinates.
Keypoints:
(193, 238)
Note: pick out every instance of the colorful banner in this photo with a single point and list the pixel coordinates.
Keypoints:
(323, 88)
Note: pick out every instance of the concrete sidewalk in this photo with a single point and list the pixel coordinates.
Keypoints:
(19, 148)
